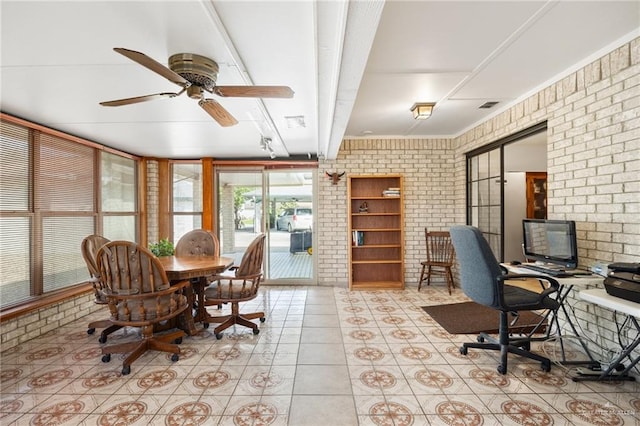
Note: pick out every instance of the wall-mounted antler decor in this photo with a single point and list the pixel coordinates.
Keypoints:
(335, 177)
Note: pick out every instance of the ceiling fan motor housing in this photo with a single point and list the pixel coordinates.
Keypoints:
(198, 70)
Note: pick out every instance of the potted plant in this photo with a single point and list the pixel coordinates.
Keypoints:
(164, 247)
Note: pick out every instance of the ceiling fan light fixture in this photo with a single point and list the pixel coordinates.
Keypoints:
(422, 110)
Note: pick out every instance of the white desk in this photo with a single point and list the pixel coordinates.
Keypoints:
(566, 285)
(600, 297)
(576, 280)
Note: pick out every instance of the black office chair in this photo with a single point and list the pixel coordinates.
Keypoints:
(483, 280)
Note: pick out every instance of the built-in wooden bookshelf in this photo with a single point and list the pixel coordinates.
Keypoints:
(376, 230)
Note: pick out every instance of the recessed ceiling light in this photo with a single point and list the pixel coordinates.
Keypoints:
(488, 105)
(295, 121)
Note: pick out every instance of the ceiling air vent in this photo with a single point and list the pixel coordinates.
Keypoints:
(488, 105)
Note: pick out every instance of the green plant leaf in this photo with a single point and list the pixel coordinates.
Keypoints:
(164, 247)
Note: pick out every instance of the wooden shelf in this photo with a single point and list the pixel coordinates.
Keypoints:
(376, 256)
(375, 214)
(380, 285)
(377, 246)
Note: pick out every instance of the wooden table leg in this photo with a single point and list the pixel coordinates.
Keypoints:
(201, 312)
(186, 322)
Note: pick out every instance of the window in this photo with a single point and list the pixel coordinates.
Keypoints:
(485, 195)
(49, 203)
(15, 214)
(118, 175)
(187, 198)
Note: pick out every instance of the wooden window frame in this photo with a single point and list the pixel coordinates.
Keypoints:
(38, 298)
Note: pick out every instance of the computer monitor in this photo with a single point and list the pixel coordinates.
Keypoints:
(551, 241)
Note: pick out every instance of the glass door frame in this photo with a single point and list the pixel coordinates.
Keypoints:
(498, 146)
(265, 172)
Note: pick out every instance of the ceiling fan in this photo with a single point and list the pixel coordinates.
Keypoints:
(196, 74)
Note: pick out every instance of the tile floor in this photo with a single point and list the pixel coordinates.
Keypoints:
(325, 356)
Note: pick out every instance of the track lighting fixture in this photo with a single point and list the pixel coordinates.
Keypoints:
(265, 145)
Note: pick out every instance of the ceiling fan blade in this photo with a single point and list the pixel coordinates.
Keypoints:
(138, 99)
(217, 111)
(153, 65)
(254, 91)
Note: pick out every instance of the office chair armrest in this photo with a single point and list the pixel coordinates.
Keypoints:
(553, 283)
(548, 285)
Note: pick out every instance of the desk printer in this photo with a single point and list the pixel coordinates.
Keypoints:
(623, 281)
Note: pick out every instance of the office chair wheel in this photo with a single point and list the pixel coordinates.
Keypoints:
(526, 346)
(205, 325)
(106, 358)
(256, 331)
(263, 319)
(218, 336)
(546, 366)
(480, 339)
(175, 357)
(178, 341)
(126, 370)
(502, 369)
(91, 330)
(463, 350)
(102, 339)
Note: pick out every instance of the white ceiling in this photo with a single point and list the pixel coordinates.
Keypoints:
(355, 67)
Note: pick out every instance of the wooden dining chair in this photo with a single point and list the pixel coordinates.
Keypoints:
(199, 242)
(440, 258)
(238, 284)
(139, 295)
(89, 249)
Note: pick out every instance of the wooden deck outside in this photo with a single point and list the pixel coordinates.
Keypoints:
(281, 262)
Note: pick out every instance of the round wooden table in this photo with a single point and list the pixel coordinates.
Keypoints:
(196, 269)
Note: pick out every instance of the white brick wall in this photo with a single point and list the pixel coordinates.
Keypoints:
(153, 205)
(36, 323)
(593, 119)
(428, 167)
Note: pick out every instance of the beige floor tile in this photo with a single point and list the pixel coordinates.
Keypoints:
(324, 356)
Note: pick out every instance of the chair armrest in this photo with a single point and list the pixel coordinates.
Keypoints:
(135, 294)
(553, 287)
(553, 283)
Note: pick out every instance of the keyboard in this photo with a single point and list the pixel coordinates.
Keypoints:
(552, 272)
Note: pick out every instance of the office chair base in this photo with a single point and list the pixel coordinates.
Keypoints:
(108, 326)
(545, 363)
(235, 317)
(138, 348)
(506, 344)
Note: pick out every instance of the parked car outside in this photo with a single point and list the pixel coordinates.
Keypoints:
(295, 219)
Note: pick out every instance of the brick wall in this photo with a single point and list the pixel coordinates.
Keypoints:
(428, 167)
(36, 323)
(593, 152)
(593, 130)
(153, 205)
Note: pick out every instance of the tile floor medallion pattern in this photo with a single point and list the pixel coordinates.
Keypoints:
(324, 356)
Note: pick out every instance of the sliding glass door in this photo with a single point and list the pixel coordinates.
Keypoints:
(280, 204)
(496, 188)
